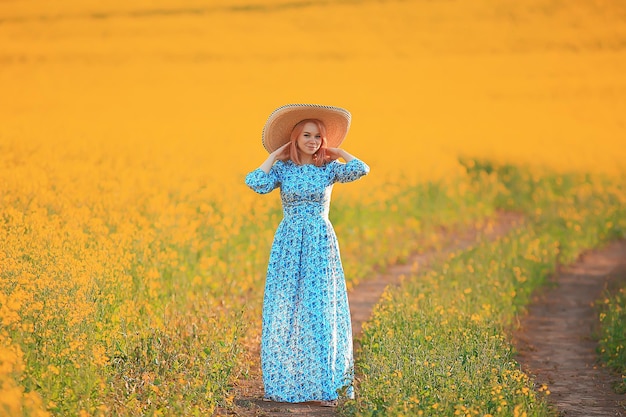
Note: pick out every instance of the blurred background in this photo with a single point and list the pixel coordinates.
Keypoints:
(539, 81)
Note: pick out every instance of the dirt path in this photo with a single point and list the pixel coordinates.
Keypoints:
(555, 341)
(362, 299)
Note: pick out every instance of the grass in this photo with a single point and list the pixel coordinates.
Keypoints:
(612, 334)
(438, 344)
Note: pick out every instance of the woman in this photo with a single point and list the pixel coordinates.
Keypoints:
(306, 345)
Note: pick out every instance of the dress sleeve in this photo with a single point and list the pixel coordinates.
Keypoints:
(261, 182)
(349, 171)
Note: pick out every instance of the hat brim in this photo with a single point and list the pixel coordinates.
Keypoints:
(280, 123)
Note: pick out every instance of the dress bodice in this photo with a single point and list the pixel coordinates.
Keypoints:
(307, 193)
(305, 190)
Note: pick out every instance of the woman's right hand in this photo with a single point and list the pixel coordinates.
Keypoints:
(280, 151)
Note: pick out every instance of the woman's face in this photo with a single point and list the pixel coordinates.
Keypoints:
(310, 139)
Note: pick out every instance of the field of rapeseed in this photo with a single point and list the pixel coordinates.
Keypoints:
(132, 257)
(439, 345)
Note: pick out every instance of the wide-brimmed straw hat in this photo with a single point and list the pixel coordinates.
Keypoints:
(280, 123)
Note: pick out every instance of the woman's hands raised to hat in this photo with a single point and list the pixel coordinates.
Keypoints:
(267, 165)
(336, 153)
(282, 152)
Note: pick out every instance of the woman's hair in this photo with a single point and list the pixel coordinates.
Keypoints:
(320, 157)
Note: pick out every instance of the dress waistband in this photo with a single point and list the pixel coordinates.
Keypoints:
(307, 210)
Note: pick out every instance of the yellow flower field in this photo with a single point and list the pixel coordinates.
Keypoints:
(133, 255)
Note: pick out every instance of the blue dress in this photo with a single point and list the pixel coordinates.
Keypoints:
(306, 344)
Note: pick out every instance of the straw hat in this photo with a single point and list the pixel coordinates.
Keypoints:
(281, 122)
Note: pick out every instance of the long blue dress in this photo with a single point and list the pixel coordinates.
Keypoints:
(306, 344)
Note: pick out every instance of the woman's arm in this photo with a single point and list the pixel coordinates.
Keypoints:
(353, 169)
(267, 164)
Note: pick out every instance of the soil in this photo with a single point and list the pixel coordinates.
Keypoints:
(555, 341)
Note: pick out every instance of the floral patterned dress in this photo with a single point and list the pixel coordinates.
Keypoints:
(306, 345)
